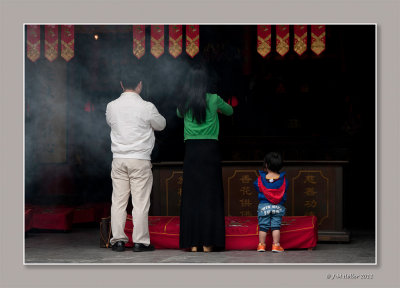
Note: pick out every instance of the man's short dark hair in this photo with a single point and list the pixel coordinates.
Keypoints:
(273, 161)
(130, 79)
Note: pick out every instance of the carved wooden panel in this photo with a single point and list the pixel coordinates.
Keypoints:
(313, 190)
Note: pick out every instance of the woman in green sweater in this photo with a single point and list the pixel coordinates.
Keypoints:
(202, 221)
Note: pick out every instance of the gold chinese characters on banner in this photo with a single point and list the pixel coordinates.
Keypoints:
(33, 42)
(318, 38)
(67, 42)
(300, 39)
(192, 40)
(175, 40)
(51, 42)
(263, 39)
(139, 40)
(282, 39)
(157, 40)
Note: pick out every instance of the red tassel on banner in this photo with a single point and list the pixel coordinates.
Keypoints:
(318, 38)
(282, 39)
(263, 39)
(175, 40)
(67, 42)
(33, 42)
(51, 42)
(157, 40)
(139, 40)
(192, 40)
(300, 39)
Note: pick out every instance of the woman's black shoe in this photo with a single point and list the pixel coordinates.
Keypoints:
(142, 248)
(118, 246)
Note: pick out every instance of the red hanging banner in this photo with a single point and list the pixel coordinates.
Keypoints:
(263, 39)
(51, 42)
(282, 39)
(300, 39)
(139, 40)
(318, 38)
(192, 40)
(175, 40)
(33, 42)
(157, 40)
(67, 42)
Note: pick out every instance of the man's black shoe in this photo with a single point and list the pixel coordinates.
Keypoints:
(118, 246)
(142, 248)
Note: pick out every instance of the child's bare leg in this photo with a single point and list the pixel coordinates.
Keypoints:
(262, 236)
(276, 235)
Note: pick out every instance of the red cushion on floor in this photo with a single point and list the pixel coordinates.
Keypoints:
(164, 231)
(28, 219)
(241, 232)
(296, 232)
(84, 214)
(53, 218)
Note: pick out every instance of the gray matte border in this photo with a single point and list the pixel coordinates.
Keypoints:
(16, 12)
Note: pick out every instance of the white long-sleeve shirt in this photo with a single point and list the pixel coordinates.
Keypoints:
(133, 121)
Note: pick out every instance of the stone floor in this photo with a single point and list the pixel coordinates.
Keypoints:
(82, 246)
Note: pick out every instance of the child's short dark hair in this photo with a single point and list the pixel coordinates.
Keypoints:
(273, 161)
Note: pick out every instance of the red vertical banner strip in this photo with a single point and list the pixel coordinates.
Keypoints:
(157, 40)
(318, 38)
(51, 42)
(192, 40)
(33, 42)
(139, 37)
(300, 39)
(282, 39)
(67, 42)
(263, 39)
(175, 40)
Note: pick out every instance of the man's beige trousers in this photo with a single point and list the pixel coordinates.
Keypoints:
(131, 176)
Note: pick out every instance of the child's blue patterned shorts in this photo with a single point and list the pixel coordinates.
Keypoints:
(270, 216)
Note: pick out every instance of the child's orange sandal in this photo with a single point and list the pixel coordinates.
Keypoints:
(277, 248)
(261, 247)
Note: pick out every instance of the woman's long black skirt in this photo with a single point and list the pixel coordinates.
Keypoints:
(202, 221)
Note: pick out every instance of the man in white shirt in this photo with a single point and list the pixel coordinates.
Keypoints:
(132, 121)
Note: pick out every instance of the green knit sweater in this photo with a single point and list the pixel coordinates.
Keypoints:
(209, 129)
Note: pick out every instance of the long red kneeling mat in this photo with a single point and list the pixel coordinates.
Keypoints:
(241, 233)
